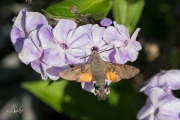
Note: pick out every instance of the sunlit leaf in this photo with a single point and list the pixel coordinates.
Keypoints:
(128, 12)
(51, 95)
(113, 98)
(97, 8)
(68, 98)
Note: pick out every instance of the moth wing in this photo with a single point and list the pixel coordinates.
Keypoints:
(71, 73)
(116, 72)
(78, 73)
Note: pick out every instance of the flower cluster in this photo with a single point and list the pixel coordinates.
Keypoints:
(50, 50)
(161, 104)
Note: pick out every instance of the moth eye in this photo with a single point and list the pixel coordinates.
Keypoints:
(94, 49)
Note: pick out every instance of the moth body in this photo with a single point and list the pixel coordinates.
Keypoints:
(98, 71)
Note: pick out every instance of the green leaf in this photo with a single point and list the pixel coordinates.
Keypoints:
(128, 12)
(69, 98)
(51, 95)
(113, 98)
(97, 8)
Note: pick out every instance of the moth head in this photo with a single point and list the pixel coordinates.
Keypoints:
(101, 90)
(95, 52)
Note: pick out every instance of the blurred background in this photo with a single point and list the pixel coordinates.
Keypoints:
(160, 40)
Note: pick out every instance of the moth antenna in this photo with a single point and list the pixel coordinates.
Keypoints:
(85, 56)
(99, 52)
(106, 50)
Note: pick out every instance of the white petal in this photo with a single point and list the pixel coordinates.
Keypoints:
(73, 56)
(158, 97)
(171, 108)
(46, 37)
(164, 117)
(78, 39)
(97, 34)
(123, 30)
(133, 37)
(88, 86)
(29, 52)
(34, 20)
(146, 111)
(54, 57)
(173, 79)
(111, 34)
(62, 29)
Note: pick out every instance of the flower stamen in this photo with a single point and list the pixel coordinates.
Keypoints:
(64, 46)
(125, 43)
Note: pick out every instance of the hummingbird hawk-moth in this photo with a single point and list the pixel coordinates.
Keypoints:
(99, 72)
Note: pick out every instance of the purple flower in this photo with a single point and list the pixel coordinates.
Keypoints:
(38, 65)
(106, 22)
(88, 86)
(24, 36)
(46, 71)
(96, 44)
(63, 43)
(24, 24)
(96, 41)
(126, 48)
(160, 106)
(164, 79)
